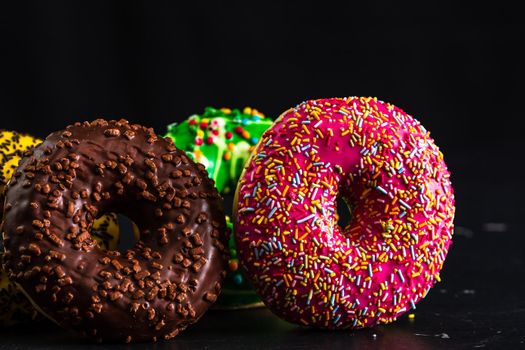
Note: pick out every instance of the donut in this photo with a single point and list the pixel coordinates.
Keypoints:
(12, 145)
(12, 142)
(387, 168)
(15, 308)
(165, 282)
(223, 140)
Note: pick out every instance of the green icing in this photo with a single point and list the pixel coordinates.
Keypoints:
(222, 140)
(237, 291)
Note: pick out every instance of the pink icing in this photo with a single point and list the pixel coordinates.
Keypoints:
(384, 164)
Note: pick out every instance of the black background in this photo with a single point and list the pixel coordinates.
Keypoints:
(458, 68)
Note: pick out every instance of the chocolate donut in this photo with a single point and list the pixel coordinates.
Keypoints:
(15, 308)
(165, 282)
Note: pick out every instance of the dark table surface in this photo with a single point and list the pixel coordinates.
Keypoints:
(479, 304)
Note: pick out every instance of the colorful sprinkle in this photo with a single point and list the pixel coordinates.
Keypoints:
(384, 164)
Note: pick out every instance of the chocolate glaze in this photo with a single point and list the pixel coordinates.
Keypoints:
(152, 291)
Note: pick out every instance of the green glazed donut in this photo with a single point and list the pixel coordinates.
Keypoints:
(222, 140)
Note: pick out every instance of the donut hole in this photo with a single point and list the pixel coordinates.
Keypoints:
(127, 230)
(344, 212)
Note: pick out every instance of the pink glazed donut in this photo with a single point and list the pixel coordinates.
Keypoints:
(383, 163)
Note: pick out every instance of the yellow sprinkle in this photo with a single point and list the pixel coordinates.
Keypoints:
(306, 129)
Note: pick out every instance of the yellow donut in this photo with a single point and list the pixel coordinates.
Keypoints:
(12, 147)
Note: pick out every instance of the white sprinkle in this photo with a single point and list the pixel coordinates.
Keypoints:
(300, 221)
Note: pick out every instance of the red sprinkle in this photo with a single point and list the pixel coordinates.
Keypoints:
(239, 130)
(228, 135)
(209, 140)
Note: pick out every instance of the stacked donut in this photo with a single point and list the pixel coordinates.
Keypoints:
(62, 252)
(223, 140)
(235, 130)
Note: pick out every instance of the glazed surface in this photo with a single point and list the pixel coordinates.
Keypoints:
(222, 140)
(15, 308)
(387, 168)
(153, 290)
